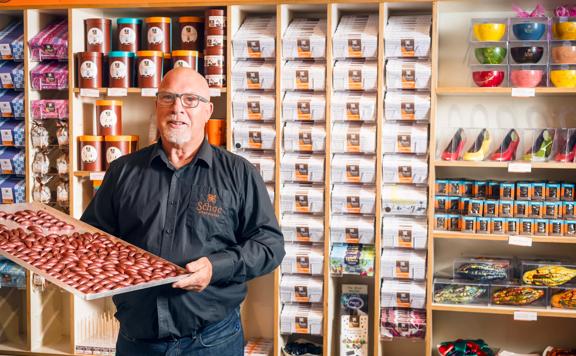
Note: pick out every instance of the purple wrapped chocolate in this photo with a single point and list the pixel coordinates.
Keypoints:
(12, 133)
(49, 76)
(12, 75)
(49, 109)
(403, 323)
(11, 104)
(50, 43)
(13, 190)
(12, 42)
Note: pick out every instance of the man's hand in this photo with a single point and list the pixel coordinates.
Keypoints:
(199, 277)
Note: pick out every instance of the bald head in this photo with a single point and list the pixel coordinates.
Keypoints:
(185, 80)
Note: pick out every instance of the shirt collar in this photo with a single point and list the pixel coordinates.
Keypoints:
(204, 153)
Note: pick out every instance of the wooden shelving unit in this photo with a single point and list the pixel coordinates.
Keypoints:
(453, 103)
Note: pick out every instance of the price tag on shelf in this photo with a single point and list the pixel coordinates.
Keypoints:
(91, 93)
(149, 91)
(215, 91)
(523, 92)
(519, 167)
(520, 240)
(97, 175)
(525, 316)
(117, 92)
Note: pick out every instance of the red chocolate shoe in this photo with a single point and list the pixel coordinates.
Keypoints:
(507, 150)
(454, 149)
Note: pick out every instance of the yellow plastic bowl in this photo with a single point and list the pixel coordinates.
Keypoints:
(563, 78)
(489, 31)
(565, 30)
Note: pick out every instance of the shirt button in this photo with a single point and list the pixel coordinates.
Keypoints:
(168, 231)
(172, 202)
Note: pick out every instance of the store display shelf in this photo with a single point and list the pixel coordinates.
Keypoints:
(213, 92)
(511, 166)
(497, 310)
(489, 237)
(470, 91)
(90, 175)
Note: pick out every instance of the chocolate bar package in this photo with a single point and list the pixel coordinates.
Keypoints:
(50, 43)
(11, 75)
(12, 42)
(11, 104)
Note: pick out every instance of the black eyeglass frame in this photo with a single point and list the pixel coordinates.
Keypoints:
(179, 96)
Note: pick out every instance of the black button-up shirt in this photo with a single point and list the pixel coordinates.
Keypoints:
(217, 206)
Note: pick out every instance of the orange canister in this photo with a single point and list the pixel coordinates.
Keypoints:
(158, 33)
(184, 58)
(90, 153)
(216, 131)
(118, 146)
(109, 117)
(149, 67)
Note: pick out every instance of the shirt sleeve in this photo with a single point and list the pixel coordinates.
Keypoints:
(260, 246)
(101, 212)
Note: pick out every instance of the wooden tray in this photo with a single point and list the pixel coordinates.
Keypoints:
(80, 227)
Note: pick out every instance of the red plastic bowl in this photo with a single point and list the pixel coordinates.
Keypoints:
(488, 78)
(526, 78)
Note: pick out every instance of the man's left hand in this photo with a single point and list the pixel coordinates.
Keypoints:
(199, 277)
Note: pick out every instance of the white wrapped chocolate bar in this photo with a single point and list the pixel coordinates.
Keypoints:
(407, 36)
(305, 38)
(400, 232)
(408, 74)
(302, 228)
(301, 198)
(259, 347)
(348, 168)
(249, 75)
(252, 106)
(353, 106)
(351, 137)
(401, 294)
(301, 319)
(353, 199)
(303, 75)
(299, 106)
(300, 289)
(404, 169)
(404, 138)
(355, 74)
(264, 163)
(304, 137)
(255, 136)
(406, 105)
(304, 168)
(303, 259)
(403, 264)
(255, 38)
(404, 200)
(356, 37)
(352, 229)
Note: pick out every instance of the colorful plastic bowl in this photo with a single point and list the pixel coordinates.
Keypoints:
(488, 78)
(564, 54)
(563, 78)
(489, 31)
(490, 55)
(526, 78)
(527, 54)
(564, 30)
(529, 31)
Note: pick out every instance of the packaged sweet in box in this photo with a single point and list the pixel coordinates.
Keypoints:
(11, 274)
(403, 323)
(49, 76)
(487, 270)
(12, 75)
(352, 259)
(12, 189)
(50, 43)
(12, 160)
(460, 291)
(11, 104)
(49, 109)
(12, 42)
(518, 295)
(12, 133)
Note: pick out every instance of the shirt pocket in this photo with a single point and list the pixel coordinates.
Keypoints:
(210, 216)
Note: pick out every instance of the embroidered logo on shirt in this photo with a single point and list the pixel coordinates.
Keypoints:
(208, 207)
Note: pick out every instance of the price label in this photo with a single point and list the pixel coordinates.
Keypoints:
(520, 240)
(519, 167)
(523, 92)
(117, 92)
(215, 91)
(90, 93)
(97, 175)
(525, 316)
(149, 91)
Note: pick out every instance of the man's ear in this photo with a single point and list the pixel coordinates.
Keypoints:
(211, 111)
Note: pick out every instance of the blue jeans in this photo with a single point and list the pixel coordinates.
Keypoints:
(223, 338)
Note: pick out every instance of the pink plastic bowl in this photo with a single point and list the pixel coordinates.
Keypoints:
(526, 78)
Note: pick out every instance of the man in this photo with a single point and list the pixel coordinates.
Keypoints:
(198, 206)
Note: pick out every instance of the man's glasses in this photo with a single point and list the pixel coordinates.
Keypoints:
(165, 98)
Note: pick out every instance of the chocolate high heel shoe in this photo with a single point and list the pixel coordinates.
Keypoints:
(480, 148)
(454, 149)
(541, 148)
(507, 150)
